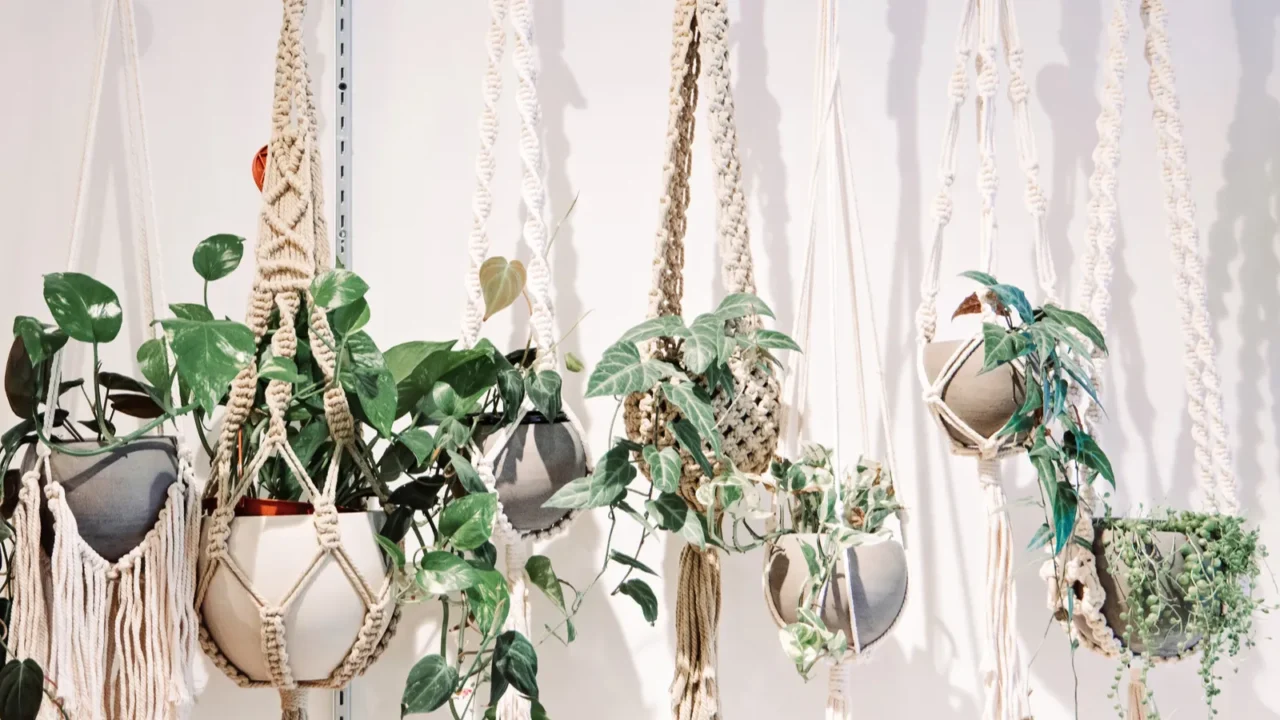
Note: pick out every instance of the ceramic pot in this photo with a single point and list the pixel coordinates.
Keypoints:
(116, 496)
(1168, 640)
(539, 459)
(984, 401)
(873, 578)
(323, 619)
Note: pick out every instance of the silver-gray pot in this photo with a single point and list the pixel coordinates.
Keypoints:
(539, 459)
(1169, 641)
(984, 401)
(872, 578)
(116, 497)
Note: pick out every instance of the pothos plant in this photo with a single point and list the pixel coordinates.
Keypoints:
(806, 492)
(207, 353)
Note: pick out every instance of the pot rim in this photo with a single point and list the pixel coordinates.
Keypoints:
(172, 439)
(270, 507)
(533, 417)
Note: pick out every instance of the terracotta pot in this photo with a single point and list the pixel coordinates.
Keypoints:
(873, 578)
(539, 459)
(116, 496)
(323, 619)
(264, 507)
(984, 401)
(260, 166)
(1168, 640)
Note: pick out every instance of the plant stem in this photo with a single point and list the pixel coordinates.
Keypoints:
(116, 442)
(206, 296)
(97, 397)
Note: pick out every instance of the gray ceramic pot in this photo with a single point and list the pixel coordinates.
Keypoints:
(1168, 640)
(116, 497)
(984, 401)
(540, 458)
(873, 577)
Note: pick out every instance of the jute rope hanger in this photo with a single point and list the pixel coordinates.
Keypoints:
(1005, 689)
(292, 247)
(117, 638)
(832, 150)
(1214, 474)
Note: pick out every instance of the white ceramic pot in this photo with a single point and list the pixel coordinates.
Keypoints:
(540, 458)
(872, 578)
(322, 621)
(984, 401)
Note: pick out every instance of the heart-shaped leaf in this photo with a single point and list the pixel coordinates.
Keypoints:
(431, 683)
(84, 308)
(621, 372)
(153, 360)
(740, 305)
(543, 389)
(671, 326)
(1001, 346)
(419, 442)
(21, 690)
(209, 355)
(40, 340)
(490, 601)
(378, 396)
(674, 514)
(665, 468)
(501, 282)
(467, 523)
(639, 590)
(688, 438)
(403, 358)
(695, 408)
(217, 256)
(511, 389)
(190, 311)
(349, 318)
(337, 288)
(1082, 448)
(543, 577)
(703, 346)
(1079, 322)
(441, 572)
(281, 368)
(515, 661)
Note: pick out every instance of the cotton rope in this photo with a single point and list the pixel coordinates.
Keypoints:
(986, 26)
(1214, 473)
(116, 639)
(289, 254)
(832, 151)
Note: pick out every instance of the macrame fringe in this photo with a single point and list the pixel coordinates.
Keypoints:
(293, 704)
(1006, 695)
(513, 705)
(117, 639)
(838, 682)
(694, 692)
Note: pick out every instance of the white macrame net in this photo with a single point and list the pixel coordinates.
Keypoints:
(831, 153)
(117, 639)
(986, 27)
(292, 247)
(1075, 569)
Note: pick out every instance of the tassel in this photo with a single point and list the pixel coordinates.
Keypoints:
(838, 691)
(1006, 696)
(694, 693)
(293, 704)
(513, 705)
(1137, 694)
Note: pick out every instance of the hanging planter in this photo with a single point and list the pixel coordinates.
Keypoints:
(532, 464)
(974, 401)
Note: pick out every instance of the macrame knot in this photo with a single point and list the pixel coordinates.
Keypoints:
(959, 85)
(1035, 199)
(54, 492)
(341, 427)
(1018, 90)
(219, 532)
(326, 522)
(988, 80)
(942, 207)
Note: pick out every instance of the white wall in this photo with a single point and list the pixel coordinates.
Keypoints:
(207, 74)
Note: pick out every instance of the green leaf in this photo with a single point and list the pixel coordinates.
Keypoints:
(811, 559)
(467, 523)
(671, 326)
(403, 358)
(217, 256)
(774, 340)
(210, 355)
(419, 442)
(378, 399)
(639, 590)
(1012, 297)
(740, 305)
(622, 372)
(39, 340)
(350, 318)
(719, 376)
(543, 389)
(21, 690)
(673, 514)
(516, 662)
(282, 369)
(1065, 505)
(1080, 377)
(452, 435)
(501, 282)
(490, 601)
(687, 435)
(337, 288)
(85, 309)
(543, 576)
(467, 474)
(1079, 322)
(191, 311)
(981, 277)
(308, 440)
(630, 562)
(153, 360)
(1082, 448)
(431, 683)
(135, 405)
(573, 363)
(608, 484)
(511, 390)
(1041, 538)
(1001, 346)
(695, 408)
(442, 572)
(665, 468)
(703, 346)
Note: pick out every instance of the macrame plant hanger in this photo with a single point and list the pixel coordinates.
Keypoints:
(831, 152)
(517, 545)
(293, 245)
(1005, 689)
(117, 639)
(1213, 468)
(750, 423)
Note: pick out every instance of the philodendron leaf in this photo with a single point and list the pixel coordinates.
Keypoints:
(403, 358)
(630, 562)
(442, 572)
(543, 389)
(702, 346)
(419, 442)
(350, 318)
(665, 468)
(84, 308)
(511, 389)
(490, 601)
(501, 282)
(135, 405)
(378, 398)
(689, 439)
(190, 311)
(337, 288)
(153, 360)
(467, 474)
(774, 340)
(1013, 297)
(1000, 346)
(431, 683)
(1041, 538)
(1065, 505)
(467, 523)
(1080, 322)
(663, 326)
(210, 355)
(622, 372)
(639, 590)
(1082, 448)
(673, 514)
(696, 409)
(543, 576)
(21, 689)
(740, 305)
(608, 484)
(281, 368)
(218, 256)
(39, 341)
(981, 277)
(515, 661)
